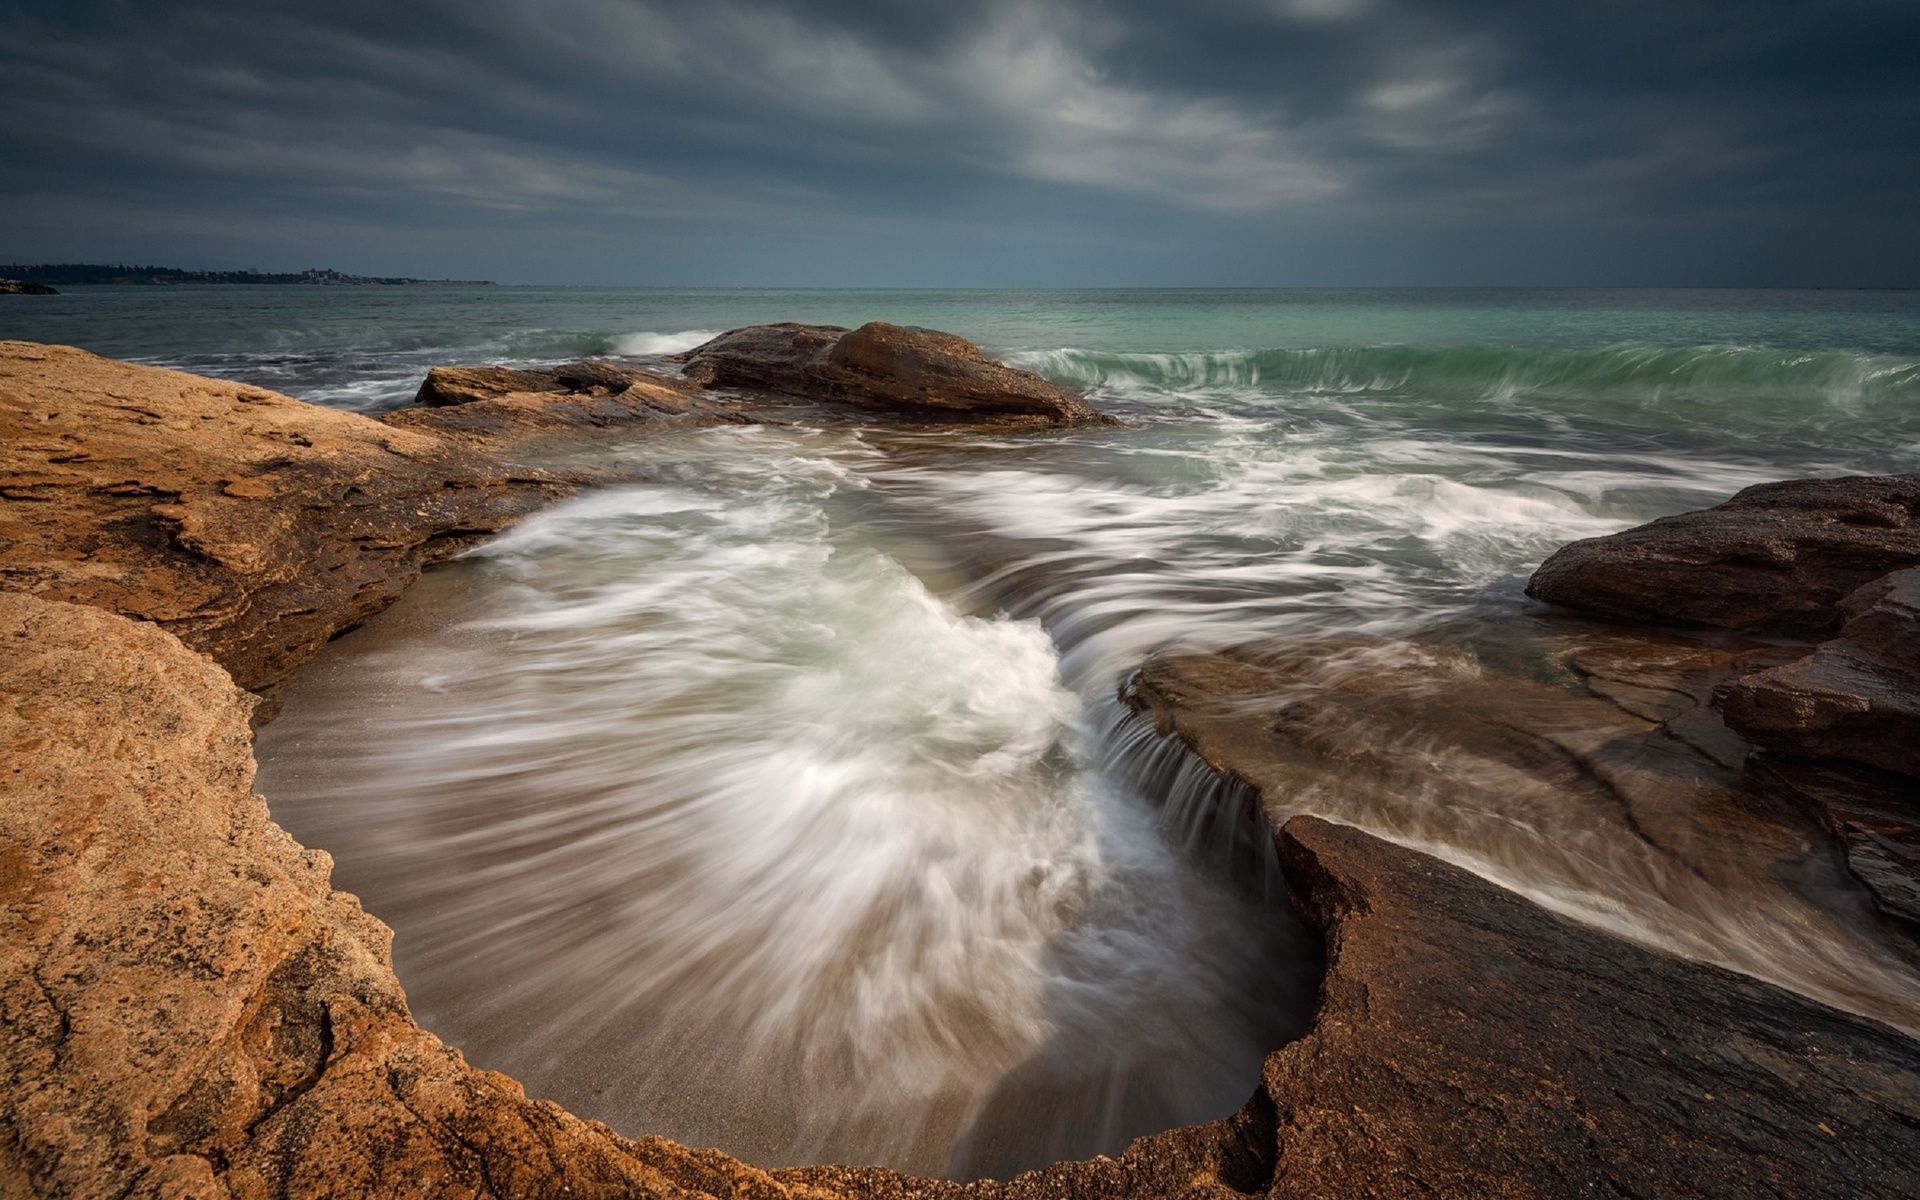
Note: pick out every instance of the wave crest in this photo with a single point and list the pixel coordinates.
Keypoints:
(1490, 371)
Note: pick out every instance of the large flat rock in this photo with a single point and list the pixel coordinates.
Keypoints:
(1776, 559)
(903, 371)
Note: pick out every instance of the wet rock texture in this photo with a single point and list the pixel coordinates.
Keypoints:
(917, 374)
(1471, 1044)
(1776, 559)
(192, 1011)
(1812, 558)
(1856, 697)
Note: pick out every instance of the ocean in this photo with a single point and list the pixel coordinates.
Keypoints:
(782, 801)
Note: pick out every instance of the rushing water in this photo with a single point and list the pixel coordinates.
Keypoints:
(781, 801)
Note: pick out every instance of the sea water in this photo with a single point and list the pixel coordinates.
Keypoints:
(781, 799)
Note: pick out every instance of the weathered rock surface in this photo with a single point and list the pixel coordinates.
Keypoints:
(190, 1010)
(530, 410)
(1584, 764)
(1856, 697)
(1777, 559)
(20, 287)
(918, 374)
(252, 525)
(1875, 816)
(1471, 1044)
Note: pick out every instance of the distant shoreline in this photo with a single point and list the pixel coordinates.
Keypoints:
(84, 274)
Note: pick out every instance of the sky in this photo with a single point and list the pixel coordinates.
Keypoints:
(959, 143)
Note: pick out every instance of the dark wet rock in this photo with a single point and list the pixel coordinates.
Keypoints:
(1470, 1044)
(1875, 815)
(765, 358)
(1856, 697)
(919, 374)
(1883, 618)
(20, 287)
(1610, 735)
(1840, 702)
(1777, 559)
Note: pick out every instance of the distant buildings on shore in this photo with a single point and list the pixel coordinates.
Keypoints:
(70, 274)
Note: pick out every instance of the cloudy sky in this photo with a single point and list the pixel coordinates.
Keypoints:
(972, 142)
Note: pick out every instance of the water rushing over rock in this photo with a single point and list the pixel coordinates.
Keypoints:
(794, 776)
(701, 814)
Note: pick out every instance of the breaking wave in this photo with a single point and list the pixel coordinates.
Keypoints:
(1697, 372)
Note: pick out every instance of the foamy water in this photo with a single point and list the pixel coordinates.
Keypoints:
(782, 800)
(711, 820)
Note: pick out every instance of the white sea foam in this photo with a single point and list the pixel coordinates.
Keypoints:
(721, 788)
(644, 343)
(760, 805)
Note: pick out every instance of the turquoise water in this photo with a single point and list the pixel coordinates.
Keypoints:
(781, 801)
(365, 347)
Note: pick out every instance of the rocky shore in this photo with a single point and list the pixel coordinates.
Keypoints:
(192, 1011)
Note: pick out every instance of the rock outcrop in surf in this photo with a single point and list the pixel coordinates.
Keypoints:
(902, 370)
(1805, 559)
(1776, 559)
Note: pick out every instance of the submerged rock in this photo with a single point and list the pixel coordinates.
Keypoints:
(919, 374)
(1777, 559)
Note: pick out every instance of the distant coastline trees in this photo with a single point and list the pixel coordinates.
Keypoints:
(72, 274)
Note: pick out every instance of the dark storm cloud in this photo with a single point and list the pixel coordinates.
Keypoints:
(1215, 141)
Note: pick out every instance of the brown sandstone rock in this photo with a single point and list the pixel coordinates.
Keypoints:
(189, 1009)
(502, 409)
(252, 525)
(1776, 559)
(919, 374)
(256, 526)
